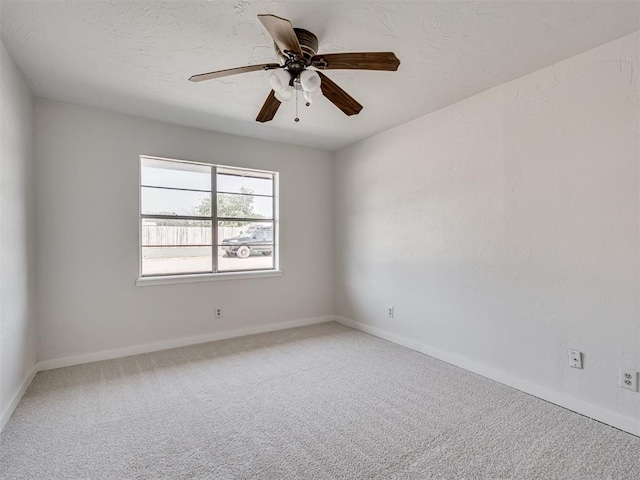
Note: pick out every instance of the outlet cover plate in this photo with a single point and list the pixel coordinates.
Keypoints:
(629, 379)
(575, 359)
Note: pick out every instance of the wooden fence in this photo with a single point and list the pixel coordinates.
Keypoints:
(174, 235)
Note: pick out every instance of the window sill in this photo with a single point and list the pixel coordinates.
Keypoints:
(204, 277)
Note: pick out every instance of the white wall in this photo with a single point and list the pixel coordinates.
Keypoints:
(505, 229)
(17, 224)
(87, 180)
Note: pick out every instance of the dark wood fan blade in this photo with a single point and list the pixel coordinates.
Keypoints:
(232, 71)
(282, 33)
(339, 97)
(357, 61)
(269, 109)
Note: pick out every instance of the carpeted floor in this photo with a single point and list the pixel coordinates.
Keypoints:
(324, 402)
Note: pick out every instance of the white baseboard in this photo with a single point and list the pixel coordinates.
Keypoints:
(592, 411)
(176, 343)
(595, 412)
(6, 415)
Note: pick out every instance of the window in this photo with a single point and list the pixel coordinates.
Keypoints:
(198, 218)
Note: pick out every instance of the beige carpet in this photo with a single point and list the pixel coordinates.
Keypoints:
(321, 402)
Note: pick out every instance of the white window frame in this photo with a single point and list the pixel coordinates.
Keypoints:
(145, 280)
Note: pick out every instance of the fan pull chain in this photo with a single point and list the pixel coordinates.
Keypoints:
(297, 118)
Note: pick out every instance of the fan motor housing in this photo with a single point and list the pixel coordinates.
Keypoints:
(308, 44)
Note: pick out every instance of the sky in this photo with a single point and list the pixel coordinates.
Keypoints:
(193, 176)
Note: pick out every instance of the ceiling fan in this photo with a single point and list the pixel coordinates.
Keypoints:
(299, 69)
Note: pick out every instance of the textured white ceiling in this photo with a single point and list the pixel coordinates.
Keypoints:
(135, 56)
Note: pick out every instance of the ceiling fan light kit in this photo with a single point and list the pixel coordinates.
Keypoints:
(279, 80)
(285, 94)
(309, 80)
(300, 66)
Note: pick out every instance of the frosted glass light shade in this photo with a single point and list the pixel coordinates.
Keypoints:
(285, 94)
(279, 80)
(313, 96)
(310, 80)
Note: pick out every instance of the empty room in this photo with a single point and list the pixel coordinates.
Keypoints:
(280, 239)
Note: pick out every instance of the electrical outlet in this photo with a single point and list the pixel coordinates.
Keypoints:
(218, 312)
(629, 379)
(575, 359)
(390, 311)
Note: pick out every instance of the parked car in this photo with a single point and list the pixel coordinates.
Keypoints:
(255, 239)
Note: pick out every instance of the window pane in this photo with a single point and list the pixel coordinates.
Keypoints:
(174, 260)
(245, 246)
(244, 206)
(241, 181)
(163, 173)
(174, 246)
(169, 232)
(158, 201)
